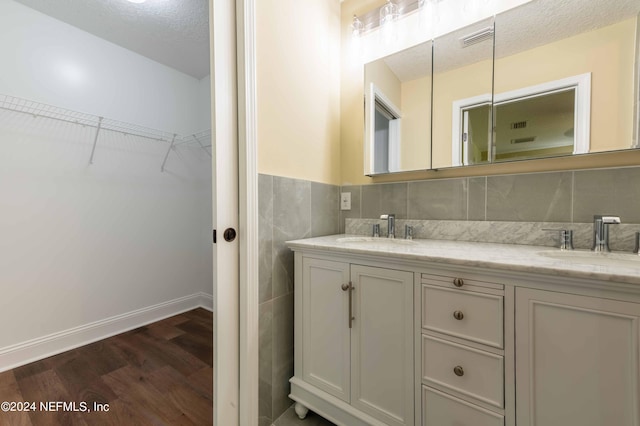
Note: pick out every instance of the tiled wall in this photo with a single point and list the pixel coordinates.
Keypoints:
(572, 197)
(289, 209)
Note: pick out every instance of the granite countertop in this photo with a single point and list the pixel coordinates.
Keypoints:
(618, 267)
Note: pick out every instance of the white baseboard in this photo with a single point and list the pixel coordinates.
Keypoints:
(206, 301)
(55, 343)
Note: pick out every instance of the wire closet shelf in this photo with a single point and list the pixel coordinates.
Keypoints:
(39, 109)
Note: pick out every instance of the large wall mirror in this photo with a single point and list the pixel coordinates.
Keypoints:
(548, 78)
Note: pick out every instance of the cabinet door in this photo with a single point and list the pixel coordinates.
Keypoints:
(382, 344)
(576, 360)
(326, 334)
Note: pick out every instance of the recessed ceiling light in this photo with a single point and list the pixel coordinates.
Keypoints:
(137, 1)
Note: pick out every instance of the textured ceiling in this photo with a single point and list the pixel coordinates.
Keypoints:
(172, 32)
(556, 19)
(411, 63)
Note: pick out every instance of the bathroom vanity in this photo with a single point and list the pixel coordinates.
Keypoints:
(439, 333)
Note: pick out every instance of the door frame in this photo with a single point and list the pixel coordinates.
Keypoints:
(233, 61)
(249, 239)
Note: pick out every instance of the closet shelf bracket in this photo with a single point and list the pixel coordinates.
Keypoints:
(95, 139)
(164, 162)
(204, 148)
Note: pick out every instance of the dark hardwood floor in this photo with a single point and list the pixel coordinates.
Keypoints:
(160, 374)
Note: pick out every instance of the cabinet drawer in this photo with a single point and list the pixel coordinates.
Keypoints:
(462, 282)
(440, 409)
(465, 370)
(468, 315)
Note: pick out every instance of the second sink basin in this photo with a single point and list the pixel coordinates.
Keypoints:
(622, 260)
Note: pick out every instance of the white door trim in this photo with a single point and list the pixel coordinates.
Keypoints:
(249, 237)
(456, 125)
(375, 94)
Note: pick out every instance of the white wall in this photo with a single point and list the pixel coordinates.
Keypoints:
(204, 103)
(83, 244)
(46, 60)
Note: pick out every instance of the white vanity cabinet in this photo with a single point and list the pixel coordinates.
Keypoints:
(464, 340)
(354, 352)
(577, 360)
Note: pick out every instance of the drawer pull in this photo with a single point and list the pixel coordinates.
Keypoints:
(458, 282)
(458, 371)
(458, 315)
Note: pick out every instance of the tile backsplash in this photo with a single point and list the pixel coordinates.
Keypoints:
(558, 197)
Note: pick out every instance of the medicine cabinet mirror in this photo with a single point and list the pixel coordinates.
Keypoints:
(547, 78)
(398, 111)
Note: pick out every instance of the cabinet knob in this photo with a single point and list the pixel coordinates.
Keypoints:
(458, 371)
(458, 282)
(458, 315)
(344, 287)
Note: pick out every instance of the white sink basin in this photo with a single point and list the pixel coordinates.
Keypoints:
(622, 260)
(375, 240)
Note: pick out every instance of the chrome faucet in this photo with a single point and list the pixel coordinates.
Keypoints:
(566, 237)
(601, 232)
(391, 224)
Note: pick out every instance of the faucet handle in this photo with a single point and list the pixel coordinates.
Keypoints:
(566, 237)
(408, 232)
(611, 220)
(387, 216)
(607, 219)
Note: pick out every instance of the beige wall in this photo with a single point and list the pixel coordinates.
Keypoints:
(298, 89)
(416, 124)
(351, 96)
(611, 109)
(379, 73)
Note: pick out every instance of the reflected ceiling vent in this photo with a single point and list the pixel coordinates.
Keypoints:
(523, 140)
(477, 37)
(519, 125)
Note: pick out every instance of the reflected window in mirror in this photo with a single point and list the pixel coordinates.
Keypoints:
(540, 121)
(536, 127)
